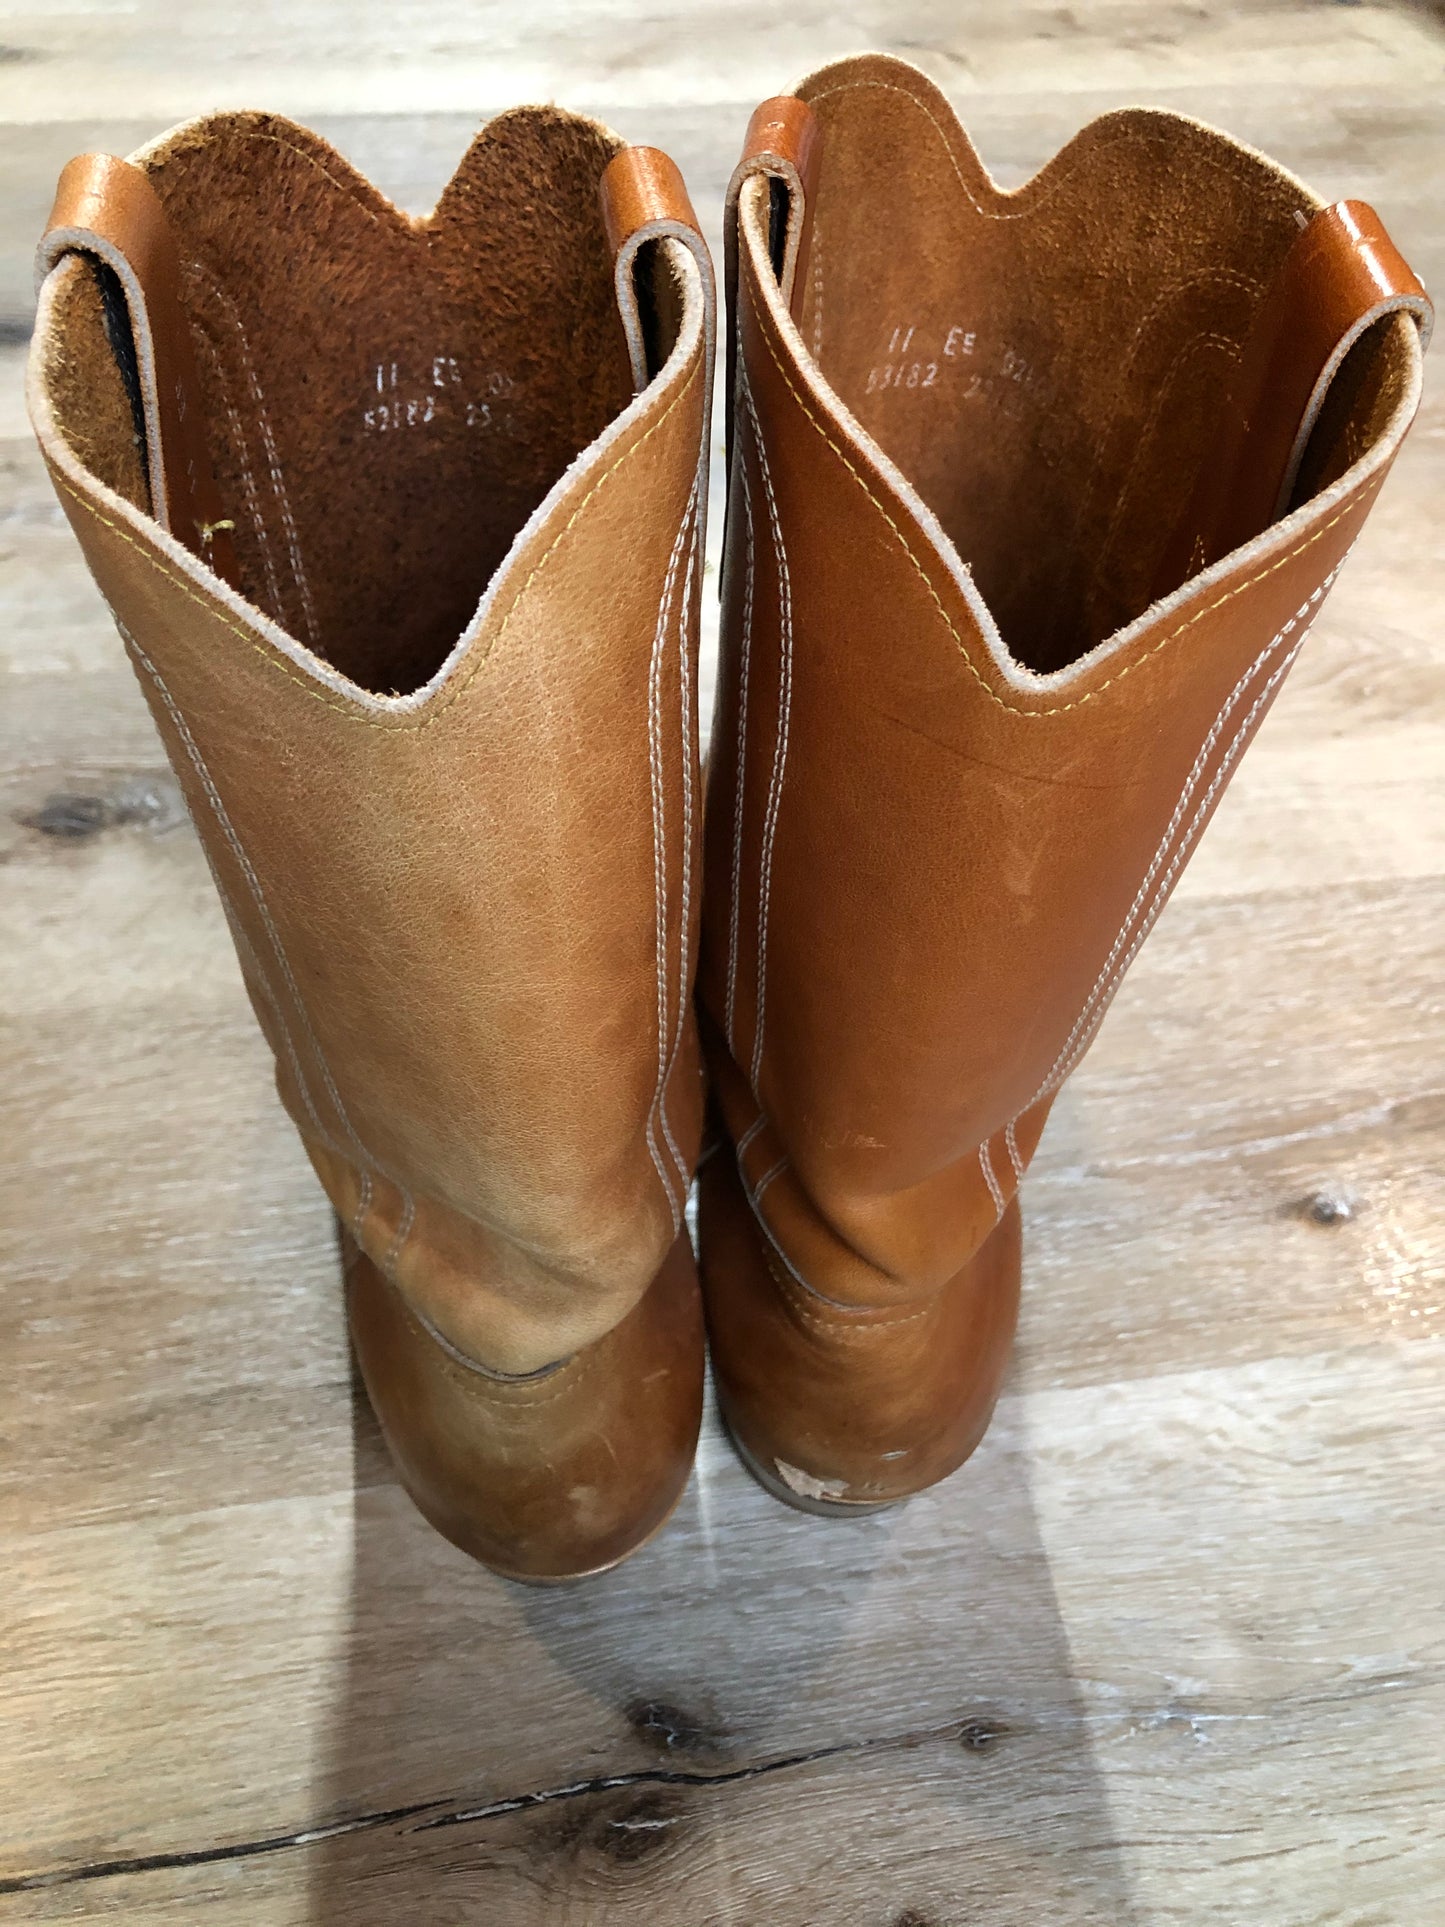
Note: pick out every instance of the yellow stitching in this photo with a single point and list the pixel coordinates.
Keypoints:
(1360, 498)
(433, 710)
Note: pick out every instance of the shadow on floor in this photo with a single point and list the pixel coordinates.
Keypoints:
(762, 1720)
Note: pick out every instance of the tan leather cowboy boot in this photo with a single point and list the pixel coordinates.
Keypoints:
(1033, 499)
(401, 523)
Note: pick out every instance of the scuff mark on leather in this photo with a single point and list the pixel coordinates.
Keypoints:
(807, 1486)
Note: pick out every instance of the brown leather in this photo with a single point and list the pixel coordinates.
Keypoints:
(579, 1463)
(853, 1406)
(781, 144)
(441, 750)
(645, 202)
(108, 209)
(1342, 276)
(644, 193)
(959, 759)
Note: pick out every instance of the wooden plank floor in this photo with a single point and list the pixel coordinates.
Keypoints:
(1170, 1650)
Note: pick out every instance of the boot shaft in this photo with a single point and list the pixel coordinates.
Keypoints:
(970, 723)
(437, 731)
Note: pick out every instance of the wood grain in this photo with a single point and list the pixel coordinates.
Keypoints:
(1168, 1651)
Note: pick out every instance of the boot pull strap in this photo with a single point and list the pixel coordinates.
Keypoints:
(107, 209)
(644, 198)
(784, 143)
(1341, 276)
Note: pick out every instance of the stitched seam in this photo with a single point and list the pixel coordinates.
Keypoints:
(780, 747)
(834, 1325)
(248, 479)
(1058, 1075)
(479, 1383)
(399, 1237)
(293, 540)
(774, 1170)
(363, 1202)
(684, 939)
(1014, 1158)
(1358, 501)
(263, 983)
(243, 943)
(765, 1231)
(401, 724)
(751, 1132)
(1237, 746)
(1122, 502)
(351, 189)
(656, 772)
(1186, 794)
(985, 1164)
(1247, 284)
(742, 752)
(273, 461)
(1086, 1029)
(772, 1252)
(1203, 278)
(253, 882)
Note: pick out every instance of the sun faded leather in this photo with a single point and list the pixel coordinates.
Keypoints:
(439, 741)
(965, 742)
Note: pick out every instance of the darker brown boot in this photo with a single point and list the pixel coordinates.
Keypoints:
(1033, 498)
(401, 522)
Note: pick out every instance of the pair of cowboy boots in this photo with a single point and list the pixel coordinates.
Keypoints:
(1032, 499)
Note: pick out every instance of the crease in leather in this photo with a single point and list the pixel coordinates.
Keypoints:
(362, 866)
(923, 970)
(886, 481)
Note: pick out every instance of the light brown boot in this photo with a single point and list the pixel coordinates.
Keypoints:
(1033, 499)
(401, 522)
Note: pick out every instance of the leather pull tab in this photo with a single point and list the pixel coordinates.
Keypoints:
(783, 142)
(107, 209)
(644, 198)
(1341, 276)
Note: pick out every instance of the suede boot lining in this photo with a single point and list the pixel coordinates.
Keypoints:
(386, 400)
(1046, 369)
